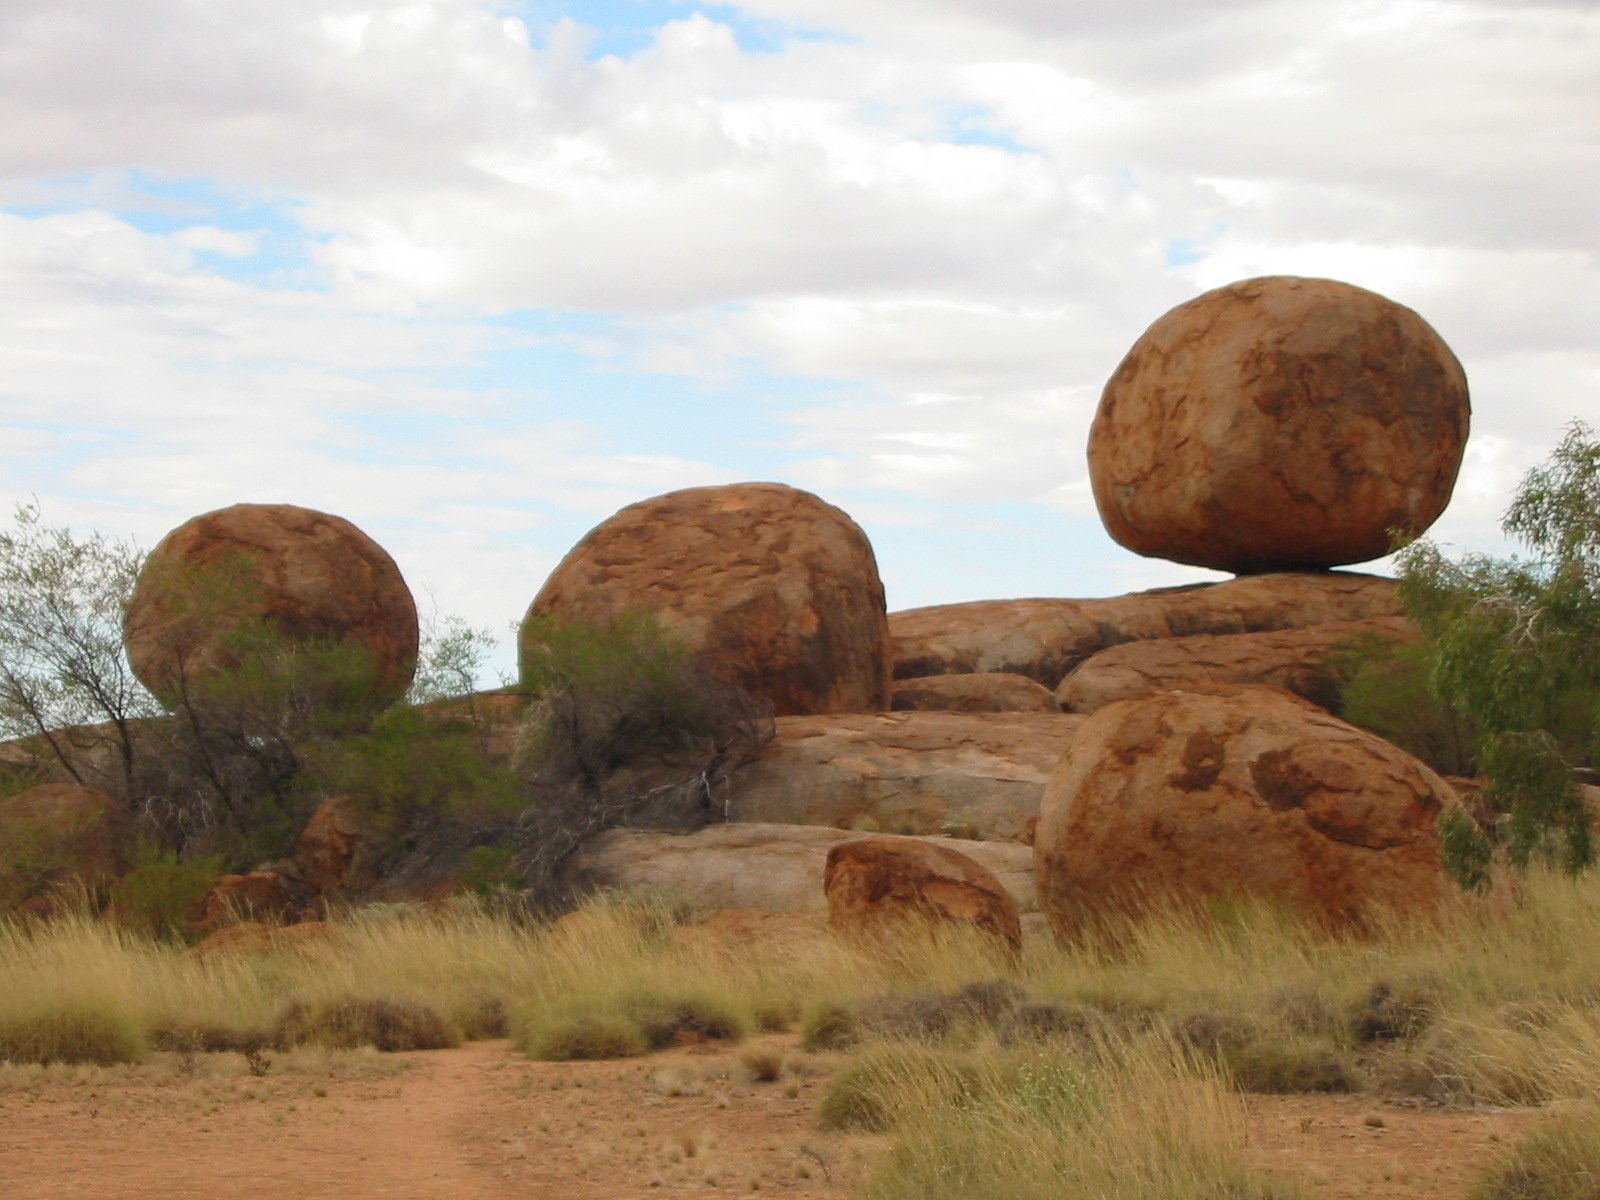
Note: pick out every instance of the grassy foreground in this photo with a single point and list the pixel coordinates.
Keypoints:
(1108, 1069)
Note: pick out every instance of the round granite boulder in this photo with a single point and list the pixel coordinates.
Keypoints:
(1278, 423)
(768, 585)
(302, 575)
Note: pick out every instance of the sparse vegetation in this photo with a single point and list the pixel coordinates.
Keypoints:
(1559, 1162)
(1513, 646)
(623, 725)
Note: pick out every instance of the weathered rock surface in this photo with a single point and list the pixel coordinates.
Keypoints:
(1196, 793)
(875, 884)
(1045, 639)
(55, 833)
(1292, 659)
(775, 868)
(968, 774)
(992, 691)
(259, 896)
(1278, 423)
(767, 583)
(312, 576)
(328, 854)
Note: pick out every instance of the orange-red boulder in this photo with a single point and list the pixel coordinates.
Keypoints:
(1044, 639)
(769, 585)
(258, 896)
(329, 851)
(991, 691)
(1296, 660)
(875, 884)
(1278, 423)
(1196, 793)
(55, 834)
(309, 576)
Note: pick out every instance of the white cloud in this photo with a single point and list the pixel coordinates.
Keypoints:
(958, 217)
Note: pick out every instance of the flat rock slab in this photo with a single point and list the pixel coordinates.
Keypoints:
(983, 692)
(776, 868)
(967, 774)
(1045, 639)
(1293, 659)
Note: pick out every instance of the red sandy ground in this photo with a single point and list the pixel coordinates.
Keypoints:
(484, 1123)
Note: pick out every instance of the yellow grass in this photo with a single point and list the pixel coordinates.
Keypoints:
(1158, 1022)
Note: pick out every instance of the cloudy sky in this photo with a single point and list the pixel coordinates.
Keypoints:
(476, 273)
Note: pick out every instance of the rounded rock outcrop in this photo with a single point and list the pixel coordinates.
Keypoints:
(307, 575)
(876, 885)
(1278, 423)
(768, 585)
(1233, 791)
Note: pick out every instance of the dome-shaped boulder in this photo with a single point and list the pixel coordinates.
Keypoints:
(305, 575)
(766, 584)
(1278, 423)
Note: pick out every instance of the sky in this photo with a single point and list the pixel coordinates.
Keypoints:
(474, 274)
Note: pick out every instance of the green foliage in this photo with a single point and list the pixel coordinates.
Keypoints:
(1385, 690)
(450, 658)
(607, 695)
(1514, 646)
(410, 765)
(489, 870)
(605, 692)
(61, 660)
(160, 896)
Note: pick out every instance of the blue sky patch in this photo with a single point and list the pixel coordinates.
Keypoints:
(626, 27)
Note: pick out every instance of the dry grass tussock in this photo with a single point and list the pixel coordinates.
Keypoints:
(1132, 1044)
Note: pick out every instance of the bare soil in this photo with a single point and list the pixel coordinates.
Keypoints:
(483, 1122)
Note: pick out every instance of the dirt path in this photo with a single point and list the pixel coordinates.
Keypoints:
(483, 1123)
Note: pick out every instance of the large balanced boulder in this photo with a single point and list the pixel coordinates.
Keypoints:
(769, 585)
(876, 885)
(1297, 660)
(967, 774)
(1278, 423)
(217, 581)
(1045, 639)
(748, 865)
(1200, 793)
(994, 691)
(57, 835)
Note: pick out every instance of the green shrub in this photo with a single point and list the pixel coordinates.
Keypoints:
(72, 1033)
(160, 896)
(344, 1024)
(489, 870)
(1385, 691)
(603, 695)
(1514, 645)
(409, 766)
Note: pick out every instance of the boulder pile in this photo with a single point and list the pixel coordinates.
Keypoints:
(1179, 745)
